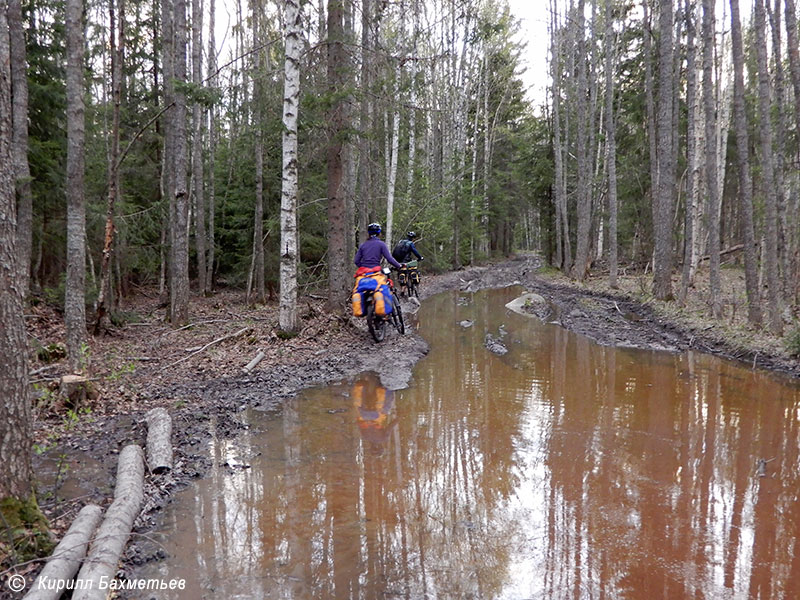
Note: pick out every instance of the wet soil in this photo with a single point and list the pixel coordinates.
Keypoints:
(145, 364)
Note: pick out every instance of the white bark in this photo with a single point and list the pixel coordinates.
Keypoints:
(159, 441)
(68, 555)
(291, 98)
(115, 530)
(392, 174)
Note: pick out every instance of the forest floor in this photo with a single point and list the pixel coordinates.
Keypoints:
(196, 371)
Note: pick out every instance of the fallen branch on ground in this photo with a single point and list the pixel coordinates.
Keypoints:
(116, 527)
(207, 346)
(254, 363)
(67, 556)
(159, 440)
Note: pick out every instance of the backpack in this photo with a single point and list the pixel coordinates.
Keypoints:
(400, 251)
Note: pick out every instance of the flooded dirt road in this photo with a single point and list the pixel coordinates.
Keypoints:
(560, 469)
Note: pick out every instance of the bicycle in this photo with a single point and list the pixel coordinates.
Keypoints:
(377, 323)
(408, 279)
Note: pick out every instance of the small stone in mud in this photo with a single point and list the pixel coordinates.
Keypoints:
(336, 411)
(466, 323)
(494, 345)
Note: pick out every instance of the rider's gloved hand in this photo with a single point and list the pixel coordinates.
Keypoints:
(402, 265)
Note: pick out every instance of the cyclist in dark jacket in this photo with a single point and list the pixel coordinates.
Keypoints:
(404, 249)
(370, 252)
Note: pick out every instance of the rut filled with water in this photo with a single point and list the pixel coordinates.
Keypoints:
(558, 469)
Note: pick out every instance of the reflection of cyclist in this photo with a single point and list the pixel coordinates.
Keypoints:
(373, 404)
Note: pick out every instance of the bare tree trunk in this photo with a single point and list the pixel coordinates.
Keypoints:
(768, 172)
(338, 272)
(794, 71)
(19, 149)
(745, 182)
(391, 179)
(179, 221)
(291, 101)
(74, 301)
(581, 265)
(691, 154)
(711, 157)
(780, 151)
(197, 148)
(663, 201)
(212, 145)
(365, 124)
(650, 102)
(611, 148)
(258, 101)
(117, 46)
(15, 412)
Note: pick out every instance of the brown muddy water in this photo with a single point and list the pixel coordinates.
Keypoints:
(560, 470)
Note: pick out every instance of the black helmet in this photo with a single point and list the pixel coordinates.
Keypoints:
(411, 235)
(374, 228)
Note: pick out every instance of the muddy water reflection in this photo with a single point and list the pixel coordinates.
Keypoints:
(561, 469)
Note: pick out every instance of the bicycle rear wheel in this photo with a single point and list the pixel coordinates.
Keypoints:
(397, 316)
(375, 323)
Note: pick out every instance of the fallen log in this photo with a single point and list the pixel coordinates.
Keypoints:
(254, 363)
(208, 345)
(66, 558)
(116, 528)
(159, 441)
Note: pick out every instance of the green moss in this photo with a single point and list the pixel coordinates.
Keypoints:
(286, 335)
(26, 532)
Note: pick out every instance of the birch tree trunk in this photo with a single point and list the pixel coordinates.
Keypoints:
(19, 149)
(743, 163)
(794, 71)
(582, 151)
(391, 179)
(611, 148)
(768, 172)
(258, 101)
(179, 263)
(338, 279)
(117, 42)
(15, 409)
(664, 200)
(212, 145)
(74, 300)
(650, 102)
(198, 177)
(291, 100)
(711, 157)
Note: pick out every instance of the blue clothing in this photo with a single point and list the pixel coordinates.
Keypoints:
(370, 252)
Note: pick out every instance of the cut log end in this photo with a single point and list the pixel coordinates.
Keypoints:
(159, 441)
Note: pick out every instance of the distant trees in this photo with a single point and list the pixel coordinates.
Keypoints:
(683, 187)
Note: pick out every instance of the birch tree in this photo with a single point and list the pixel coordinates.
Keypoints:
(74, 299)
(691, 150)
(581, 265)
(712, 184)
(291, 100)
(198, 178)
